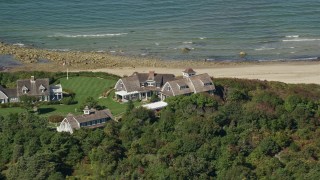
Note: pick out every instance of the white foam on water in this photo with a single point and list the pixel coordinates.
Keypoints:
(59, 50)
(202, 38)
(187, 42)
(292, 36)
(18, 44)
(299, 40)
(88, 35)
(263, 49)
(157, 44)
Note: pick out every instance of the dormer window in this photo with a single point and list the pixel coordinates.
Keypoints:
(168, 88)
(151, 83)
(25, 90)
(207, 83)
(184, 87)
(42, 88)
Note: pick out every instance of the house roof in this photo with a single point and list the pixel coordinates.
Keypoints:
(199, 82)
(56, 88)
(195, 84)
(72, 121)
(189, 70)
(94, 115)
(34, 87)
(132, 83)
(9, 92)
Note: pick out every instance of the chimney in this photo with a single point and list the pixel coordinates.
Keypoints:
(32, 78)
(151, 75)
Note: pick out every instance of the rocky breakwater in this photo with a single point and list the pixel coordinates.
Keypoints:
(91, 60)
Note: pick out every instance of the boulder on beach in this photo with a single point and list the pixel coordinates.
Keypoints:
(243, 54)
(185, 50)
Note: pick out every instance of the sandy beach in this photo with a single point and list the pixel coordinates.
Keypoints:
(283, 71)
(301, 72)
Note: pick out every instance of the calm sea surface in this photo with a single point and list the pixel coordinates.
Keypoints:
(212, 29)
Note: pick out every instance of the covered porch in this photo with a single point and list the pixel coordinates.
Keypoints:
(125, 96)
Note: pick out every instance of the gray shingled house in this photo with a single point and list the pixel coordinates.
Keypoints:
(141, 85)
(189, 84)
(90, 119)
(39, 88)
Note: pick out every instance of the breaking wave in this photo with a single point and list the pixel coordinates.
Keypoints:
(88, 35)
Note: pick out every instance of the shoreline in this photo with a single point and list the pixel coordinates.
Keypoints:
(305, 71)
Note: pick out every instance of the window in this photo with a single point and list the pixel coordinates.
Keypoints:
(168, 88)
(151, 83)
(184, 87)
(42, 88)
(24, 90)
(207, 83)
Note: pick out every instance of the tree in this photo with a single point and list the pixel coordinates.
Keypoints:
(154, 98)
(28, 102)
(130, 106)
(90, 102)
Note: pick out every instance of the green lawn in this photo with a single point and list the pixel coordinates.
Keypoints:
(83, 88)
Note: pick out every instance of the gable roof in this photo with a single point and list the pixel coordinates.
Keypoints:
(132, 83)
(189, 70)
(34, 87)
(10, 93)
(94, 115)
(195, 84)
(199, 82)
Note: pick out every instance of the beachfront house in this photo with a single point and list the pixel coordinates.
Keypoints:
(141, 86)
(39, 88)
(91, 118)
(189, 84)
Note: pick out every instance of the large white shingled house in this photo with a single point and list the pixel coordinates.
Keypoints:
(189, 84)
(142, 85)
(91, 118)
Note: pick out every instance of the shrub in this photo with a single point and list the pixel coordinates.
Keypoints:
(68, 100)
(55, 118)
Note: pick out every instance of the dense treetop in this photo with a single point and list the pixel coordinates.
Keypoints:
(248, 130)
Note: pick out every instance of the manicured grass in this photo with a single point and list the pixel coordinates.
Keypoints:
(83, 88)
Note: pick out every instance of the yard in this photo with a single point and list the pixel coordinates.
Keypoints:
(83, 88)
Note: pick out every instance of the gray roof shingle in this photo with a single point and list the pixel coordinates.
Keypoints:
(94, 115)
(133, 82)
(194, 84)
(34, 87)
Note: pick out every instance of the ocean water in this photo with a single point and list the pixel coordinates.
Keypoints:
(211, 29)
